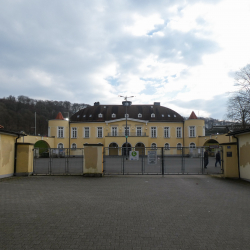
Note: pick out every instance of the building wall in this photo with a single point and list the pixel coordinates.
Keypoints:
(33, 139)
(7, 155)
(244, 156)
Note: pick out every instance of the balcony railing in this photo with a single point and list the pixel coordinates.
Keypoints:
(129, 134)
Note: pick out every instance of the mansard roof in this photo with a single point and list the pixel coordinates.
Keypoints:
(101, 113)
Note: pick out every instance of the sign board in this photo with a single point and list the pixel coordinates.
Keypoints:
(152, 157)
(134, 155)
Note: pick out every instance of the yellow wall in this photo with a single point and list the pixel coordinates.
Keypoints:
(7, 155)
(33, 139)
(244, 152)
(202, 140)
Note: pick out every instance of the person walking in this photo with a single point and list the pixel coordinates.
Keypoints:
(217, 158)
(205, 158)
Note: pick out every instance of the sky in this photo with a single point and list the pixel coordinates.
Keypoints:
(181, 53)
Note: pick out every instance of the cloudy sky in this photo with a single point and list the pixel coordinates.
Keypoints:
(182, 53)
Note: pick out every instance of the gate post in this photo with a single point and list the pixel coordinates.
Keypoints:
(162, 161)
(93, 160)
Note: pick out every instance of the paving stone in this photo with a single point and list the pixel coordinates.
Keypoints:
(124, 212)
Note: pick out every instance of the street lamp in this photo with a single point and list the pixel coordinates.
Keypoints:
(126, 103)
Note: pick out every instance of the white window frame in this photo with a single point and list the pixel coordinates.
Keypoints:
(179, 146)
(59, 145)
(139, 115)
(152, 115)
(86, 129)
(138, 131)
(100, 115)
(179, 132)
(192, 131)
(193, 145)
(166, 132)
(99, 132)
(128, 129)
(167, 146)
(114, 131)
(74, 132)
(60, 132)
(73, 146)
(113, 115)
(153, 145)
(153, 132)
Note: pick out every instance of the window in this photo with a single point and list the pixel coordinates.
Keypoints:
(126, 131)
(168, 115)
(99, 132)
(73, 146)
(167, 132)
(179, 146)
(84, 115)
(167, 146)
(60, 132)
(153, 146)
(73, 132)
(113, 115)
(127, 115)
(100, 116)
(152, 115)
(162, 115)
(90, 115)
(138, 131)
(139, 115)
(78, 116)
(192, 131)
(114, 131)
(153, 132)
(178, 132)
(60, 145)
(86, 132)
(174, 115)
(192, 145)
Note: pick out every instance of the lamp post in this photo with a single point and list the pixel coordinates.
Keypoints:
(126, 103)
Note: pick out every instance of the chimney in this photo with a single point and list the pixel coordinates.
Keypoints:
(96, 103)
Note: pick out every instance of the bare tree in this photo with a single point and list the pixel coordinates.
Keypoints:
(238, 110)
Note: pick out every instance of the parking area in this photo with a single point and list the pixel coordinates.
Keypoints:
(124, 212)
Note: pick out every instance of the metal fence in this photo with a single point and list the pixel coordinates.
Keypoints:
(159, 161)
(58, 161)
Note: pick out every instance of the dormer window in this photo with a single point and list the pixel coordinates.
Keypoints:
(78, 116)
(168, 115)
(127, 115)
(113, 115)
(100, 116)
(174, 115)
(162, 115)
(152, 107)
(104, 106)
(90, 115)
(152, 115)
(139, 115)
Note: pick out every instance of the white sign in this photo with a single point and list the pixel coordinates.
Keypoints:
(134, 155)
(152, 157)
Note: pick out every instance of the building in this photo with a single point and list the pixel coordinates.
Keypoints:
(147, 126)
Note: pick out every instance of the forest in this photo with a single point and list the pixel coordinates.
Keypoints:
(18, 113)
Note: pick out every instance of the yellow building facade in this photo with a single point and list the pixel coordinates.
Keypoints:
(144, 125)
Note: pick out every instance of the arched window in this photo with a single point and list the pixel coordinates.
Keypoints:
(192, 145)
(167, 146)
(73, 146)
(153, 146)
(113, 115)
(179, 146)
(100, 115)
(60, 145)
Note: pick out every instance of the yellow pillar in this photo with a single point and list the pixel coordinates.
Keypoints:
(93, 160)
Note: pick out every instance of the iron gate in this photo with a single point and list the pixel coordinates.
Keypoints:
(58, 161)
(170, 160)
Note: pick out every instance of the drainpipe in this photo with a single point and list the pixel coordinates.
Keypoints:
(238, 153)
(15, 155)
(183, 134)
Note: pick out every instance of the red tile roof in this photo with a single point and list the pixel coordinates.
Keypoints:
(59, 116)
(193, 116)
